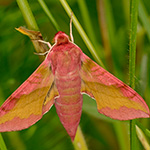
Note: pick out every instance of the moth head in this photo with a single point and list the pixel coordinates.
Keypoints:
(61, 38)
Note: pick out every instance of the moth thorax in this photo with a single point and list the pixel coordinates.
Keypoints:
(61, 38)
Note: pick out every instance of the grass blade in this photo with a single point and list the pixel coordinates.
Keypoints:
(79, 142)
(48, 13)
(142, 138)
(2, 143)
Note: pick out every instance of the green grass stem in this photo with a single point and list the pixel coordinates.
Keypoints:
(132, 53)
(27, 14)
(48, 13)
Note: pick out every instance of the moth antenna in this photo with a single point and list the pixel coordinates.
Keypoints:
(71, 36)
(47, 43)
(41, 54)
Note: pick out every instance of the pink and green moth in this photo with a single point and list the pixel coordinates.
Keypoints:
(60, 80)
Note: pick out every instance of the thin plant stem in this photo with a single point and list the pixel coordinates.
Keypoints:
(132, 43)
(27, 14)
(48, 13)
(132, 54)
(132, 135)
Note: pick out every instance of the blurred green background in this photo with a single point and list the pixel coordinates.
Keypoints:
(106, 22)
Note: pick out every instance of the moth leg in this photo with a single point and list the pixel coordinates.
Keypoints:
(71, 36)
(43, 54)
(47, 43)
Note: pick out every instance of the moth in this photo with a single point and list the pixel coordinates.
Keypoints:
(60, 80)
